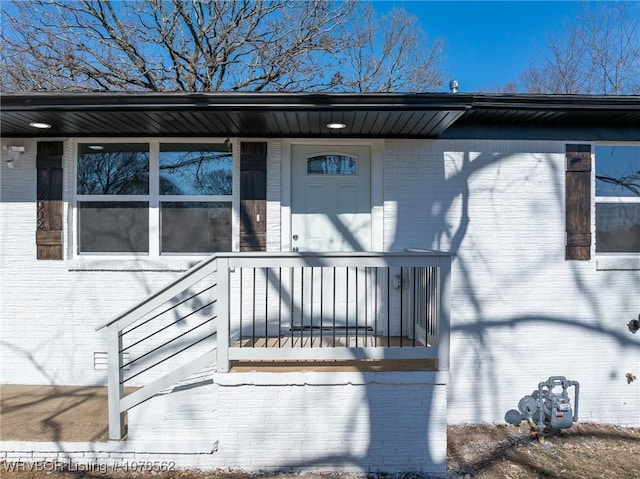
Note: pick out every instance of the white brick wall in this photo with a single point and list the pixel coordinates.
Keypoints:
(520, 312)
(49, 309)
(367, 422)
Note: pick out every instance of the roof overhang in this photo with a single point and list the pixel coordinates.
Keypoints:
(232, 114)
(297, 115)
(550, 117)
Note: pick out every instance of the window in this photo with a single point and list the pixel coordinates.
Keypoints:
(617, 199)
(113, 198)
(195, 169)
(331, 165)
(188, 172)
(154, 198)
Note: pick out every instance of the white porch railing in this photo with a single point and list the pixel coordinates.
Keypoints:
(279, 306)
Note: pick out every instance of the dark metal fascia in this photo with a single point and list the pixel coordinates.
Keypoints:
(556, 102)
(311, 101)
(236, 101)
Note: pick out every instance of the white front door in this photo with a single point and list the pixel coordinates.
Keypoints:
(330, 211)
(331, 198)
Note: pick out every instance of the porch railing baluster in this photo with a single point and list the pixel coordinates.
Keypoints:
(334, 307)
(389, 286)
(292, 310)
(357, 307)
(253, 309)
(366, 304)
(321, 303)
(375, 306)
(402, 303)
(279, 307)
(240, 306)
(302, 307)
(312, 288)
(266, 305)
(346, 306)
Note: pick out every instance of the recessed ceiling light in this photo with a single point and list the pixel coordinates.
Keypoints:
(96, 147)
(336, 126)
(43, 126)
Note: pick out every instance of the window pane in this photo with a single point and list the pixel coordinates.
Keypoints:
(113, 169)
(195, 227)
(617, 170)
(331, 165)
(113, 227)
(618, 227)
(195, 169)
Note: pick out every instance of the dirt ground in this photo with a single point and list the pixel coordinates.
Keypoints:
(584, 451)
(474, 452)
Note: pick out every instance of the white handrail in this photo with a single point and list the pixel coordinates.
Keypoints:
(188, 278)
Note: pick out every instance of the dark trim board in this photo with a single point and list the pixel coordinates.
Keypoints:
(561, 132)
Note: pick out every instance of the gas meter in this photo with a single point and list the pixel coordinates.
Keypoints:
(549, 408)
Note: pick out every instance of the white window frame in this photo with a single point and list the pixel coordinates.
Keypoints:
(612, 260)
(153, 259)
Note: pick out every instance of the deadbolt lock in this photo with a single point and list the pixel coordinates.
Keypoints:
(295, 237)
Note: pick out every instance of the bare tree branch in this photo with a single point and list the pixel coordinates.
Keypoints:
(599, 53)
(629, 182)
(212, 45)
(389, 53)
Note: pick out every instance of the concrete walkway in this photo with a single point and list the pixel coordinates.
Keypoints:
(53, 413)
(67, 426)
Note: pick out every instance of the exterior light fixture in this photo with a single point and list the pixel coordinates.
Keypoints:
(14, 151)
(37, 124)
(336, 126)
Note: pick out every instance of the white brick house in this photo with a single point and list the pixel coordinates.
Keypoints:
(520, 191)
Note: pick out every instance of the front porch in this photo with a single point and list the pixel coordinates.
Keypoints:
(255, 310)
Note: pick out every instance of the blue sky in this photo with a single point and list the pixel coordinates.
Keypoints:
(488, 43)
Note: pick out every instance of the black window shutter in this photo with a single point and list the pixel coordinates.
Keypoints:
(253, 196)
(49, 200)
(578, 202)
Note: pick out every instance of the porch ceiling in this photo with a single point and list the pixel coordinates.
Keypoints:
(231, 114)
(297, 115)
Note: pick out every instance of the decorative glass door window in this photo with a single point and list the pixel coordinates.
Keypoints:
(331, 165)
(154, 198)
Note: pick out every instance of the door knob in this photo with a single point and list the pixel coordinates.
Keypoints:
(295, 248)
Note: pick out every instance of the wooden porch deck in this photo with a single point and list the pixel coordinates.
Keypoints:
(327, 341)
(355, 366)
